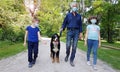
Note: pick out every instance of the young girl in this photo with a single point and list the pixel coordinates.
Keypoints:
(92, 40)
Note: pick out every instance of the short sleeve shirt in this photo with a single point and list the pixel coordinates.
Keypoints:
(32, 34)
(93, 32)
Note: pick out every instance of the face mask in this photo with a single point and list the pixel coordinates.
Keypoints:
(74, 9)
(93, 21)
(36, 25)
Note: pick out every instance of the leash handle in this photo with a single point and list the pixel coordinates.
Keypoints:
(60, 33)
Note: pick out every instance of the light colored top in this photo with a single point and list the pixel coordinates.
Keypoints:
(93, 31)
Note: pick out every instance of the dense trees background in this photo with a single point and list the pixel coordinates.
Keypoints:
(14, 17)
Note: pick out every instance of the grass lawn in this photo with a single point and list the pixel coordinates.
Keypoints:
(110, 56)
(8, 49)
(110, 44)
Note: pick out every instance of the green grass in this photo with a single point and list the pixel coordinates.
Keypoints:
(112, 44)
(110, 56)
(9, 49)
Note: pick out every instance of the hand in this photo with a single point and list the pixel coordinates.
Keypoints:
(61, 29)
(99, 45)
(85, 43)
(80, 36)
(24, 44)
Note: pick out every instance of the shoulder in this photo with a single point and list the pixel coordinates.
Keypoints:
(78, 14)
(68, 14)
(88, 26)
(27, 27)
(37, 28)
(97, 26)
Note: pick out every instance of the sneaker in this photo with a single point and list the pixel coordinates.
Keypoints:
(30, 65)
(94, 67)
(72, 64)
(88, 63)
(34, 61)
(66, 59)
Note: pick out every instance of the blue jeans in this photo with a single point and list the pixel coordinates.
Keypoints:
(71, 40)
(92, 45)
(32, 48)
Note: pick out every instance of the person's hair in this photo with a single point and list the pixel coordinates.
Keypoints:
(35, 19)
(93, 17)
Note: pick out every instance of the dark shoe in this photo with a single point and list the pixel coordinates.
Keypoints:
(72, 64)
(34, 61)
(30, 65)
(66, 59)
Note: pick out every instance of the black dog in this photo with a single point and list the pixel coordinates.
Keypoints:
(55, 47)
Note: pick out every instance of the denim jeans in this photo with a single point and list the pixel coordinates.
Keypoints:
(32, 48)
(71, 40)
(92, 45)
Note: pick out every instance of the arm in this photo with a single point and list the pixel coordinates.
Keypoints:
(25, 37)
(64, 23)
(80, 35)
(99, 39)
(39, 36)
(86, 36)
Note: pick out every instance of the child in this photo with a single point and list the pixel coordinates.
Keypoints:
(92, 40)
(32, 36)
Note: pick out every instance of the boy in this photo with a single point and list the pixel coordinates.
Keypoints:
(32, 36)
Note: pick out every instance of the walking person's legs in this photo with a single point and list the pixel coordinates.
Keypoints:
(95, 47)
(35, 51)
(30, 49)
(74, 46)
(89, 48)
(68, 44)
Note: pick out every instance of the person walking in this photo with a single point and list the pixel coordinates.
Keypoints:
(73, 24)
(92, 40)
(32, 37)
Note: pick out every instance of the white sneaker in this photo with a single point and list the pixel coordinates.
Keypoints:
(94, 67)
(88, 63)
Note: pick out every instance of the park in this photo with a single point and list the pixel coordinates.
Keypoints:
(16, 15)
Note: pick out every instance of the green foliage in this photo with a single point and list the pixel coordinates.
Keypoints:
(108, 15)
(12, 17)
(50, 15)
(8, 49)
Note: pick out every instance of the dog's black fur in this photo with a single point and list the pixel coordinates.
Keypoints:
(55, 38)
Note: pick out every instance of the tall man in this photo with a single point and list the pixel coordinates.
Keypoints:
(73, 24)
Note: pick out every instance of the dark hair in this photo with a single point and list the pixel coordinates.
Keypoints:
(92, 17)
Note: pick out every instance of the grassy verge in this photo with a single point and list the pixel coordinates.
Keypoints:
(110, 44)
(8, 49)
(110, 56)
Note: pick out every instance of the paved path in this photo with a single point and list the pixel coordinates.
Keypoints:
(18, 63)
